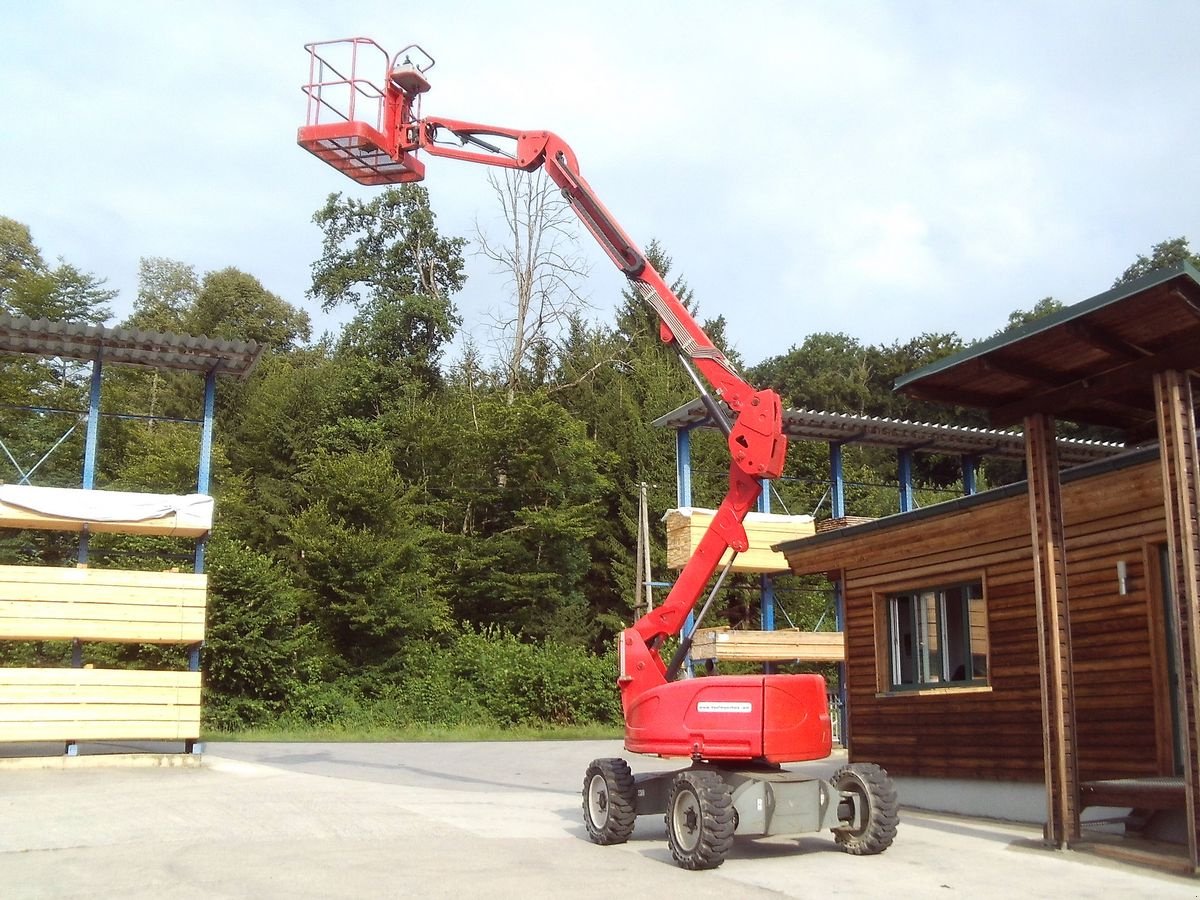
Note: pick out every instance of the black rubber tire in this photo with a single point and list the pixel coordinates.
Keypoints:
(609, 801)
(700, 819)
(869, 788)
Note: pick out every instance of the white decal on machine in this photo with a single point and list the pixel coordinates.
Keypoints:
(724, 706)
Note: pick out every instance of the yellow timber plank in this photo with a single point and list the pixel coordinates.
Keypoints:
(132, 677)
(84, 608)
(686, 529)
(186, 727)
(148, 595)
(46, 603)
(125, 577)
(17, 695)
(91, 712)
(767, 646)
(88, 704)
(89, 630)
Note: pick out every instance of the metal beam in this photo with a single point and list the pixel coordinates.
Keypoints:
(970, 466)
(837, 481)
(904, 464)
(683, 467)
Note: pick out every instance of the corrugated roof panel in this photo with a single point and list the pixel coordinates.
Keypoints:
(127, 346)
(814, 425)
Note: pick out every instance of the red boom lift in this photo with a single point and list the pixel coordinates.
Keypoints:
(737, 730)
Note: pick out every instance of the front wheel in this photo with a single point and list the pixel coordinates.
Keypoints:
(868, 806)
(700, 819)
(609, 801)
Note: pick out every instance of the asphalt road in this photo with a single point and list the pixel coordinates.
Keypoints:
(462, 820)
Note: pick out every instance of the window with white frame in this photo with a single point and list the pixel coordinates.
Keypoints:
(937, 638)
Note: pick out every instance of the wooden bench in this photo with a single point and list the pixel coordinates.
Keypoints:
(43, 603)
(98, 704)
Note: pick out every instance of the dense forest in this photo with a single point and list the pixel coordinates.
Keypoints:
(404, 535)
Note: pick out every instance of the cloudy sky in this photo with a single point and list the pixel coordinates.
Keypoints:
(881, 169)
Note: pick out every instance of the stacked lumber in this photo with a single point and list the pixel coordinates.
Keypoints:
(44, 603)
(769, 646)
(98, 704)
(686, 526)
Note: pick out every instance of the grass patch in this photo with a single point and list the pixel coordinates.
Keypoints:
(421, 733)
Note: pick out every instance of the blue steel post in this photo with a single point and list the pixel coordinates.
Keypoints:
(970, 465)
(90, 445)
(766, 583)
(683, 497)
(837, 482)
(837, 508)
(203, 484)
(907, 501)
(204, 476)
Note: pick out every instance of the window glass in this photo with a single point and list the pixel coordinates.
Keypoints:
(938, 637)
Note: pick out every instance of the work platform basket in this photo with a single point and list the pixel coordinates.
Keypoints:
(360, 99)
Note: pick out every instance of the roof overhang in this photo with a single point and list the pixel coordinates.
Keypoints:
(1091, 363)
(126, 346)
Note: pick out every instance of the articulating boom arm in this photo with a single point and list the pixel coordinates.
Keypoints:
(756, 441)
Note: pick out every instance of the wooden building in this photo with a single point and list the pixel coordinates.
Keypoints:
(1045, 633)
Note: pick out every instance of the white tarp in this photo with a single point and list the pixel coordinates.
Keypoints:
(75, 504)
(754, 518)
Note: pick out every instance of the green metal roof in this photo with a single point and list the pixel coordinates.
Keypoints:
(1090, 362)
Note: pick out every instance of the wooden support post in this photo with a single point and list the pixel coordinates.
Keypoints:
(1054, 631)
(1175, 406)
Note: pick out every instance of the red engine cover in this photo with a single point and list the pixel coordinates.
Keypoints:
(777, 718)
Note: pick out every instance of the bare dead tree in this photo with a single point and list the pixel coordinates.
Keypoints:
(540, 255)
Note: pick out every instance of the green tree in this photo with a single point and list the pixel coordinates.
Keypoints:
(1163, 255)
(166, 296)
(256, 651)
(1019, 318)
(18, 255)
(363, 558)
(233, 304)
(386, 258)
(826, 372)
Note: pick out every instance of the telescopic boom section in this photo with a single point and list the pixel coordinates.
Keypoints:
(756, 442)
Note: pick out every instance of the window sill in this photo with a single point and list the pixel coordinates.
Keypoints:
(939, 692)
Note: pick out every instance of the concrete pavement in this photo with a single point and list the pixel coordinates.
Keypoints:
(461, 820)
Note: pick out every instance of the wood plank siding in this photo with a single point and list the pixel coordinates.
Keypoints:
(994, 731)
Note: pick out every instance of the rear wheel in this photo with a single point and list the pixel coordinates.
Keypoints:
(609, 801)
(870, 807)
(700, 819)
